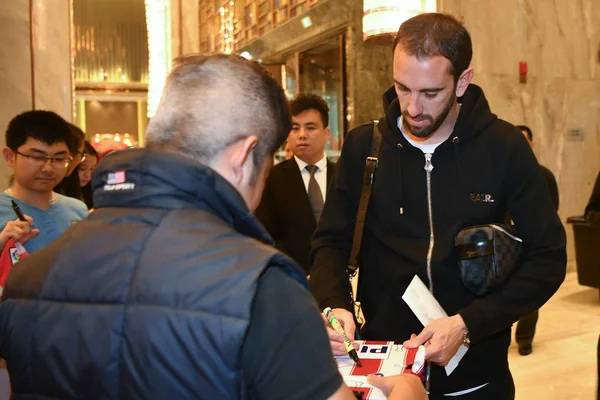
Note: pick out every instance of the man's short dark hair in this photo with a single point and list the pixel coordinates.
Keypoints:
(77, 138)
(45, 126)
(527, 131)
(305, 102)
(211, 102)
(434, 34)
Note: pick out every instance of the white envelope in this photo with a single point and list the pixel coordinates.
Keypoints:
(427, 309)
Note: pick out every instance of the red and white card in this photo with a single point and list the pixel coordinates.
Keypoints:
(383, 358)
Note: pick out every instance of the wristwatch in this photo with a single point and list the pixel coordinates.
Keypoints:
(466, 338)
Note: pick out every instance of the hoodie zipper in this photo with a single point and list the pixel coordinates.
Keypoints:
(428, 168)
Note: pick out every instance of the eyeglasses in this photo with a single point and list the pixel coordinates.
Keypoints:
(40, 161)
(83, 155)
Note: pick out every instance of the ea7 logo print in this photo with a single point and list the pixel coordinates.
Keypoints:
(481, 198)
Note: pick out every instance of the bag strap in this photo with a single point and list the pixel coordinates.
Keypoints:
(371, 164)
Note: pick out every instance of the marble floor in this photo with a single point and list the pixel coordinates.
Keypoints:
(563, 363)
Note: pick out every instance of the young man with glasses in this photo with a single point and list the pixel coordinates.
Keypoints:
(37, 150)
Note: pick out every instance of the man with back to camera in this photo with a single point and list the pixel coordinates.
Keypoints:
(296, 189)
(171, 289)
(37, 151)
(446, 163)
(525, 330)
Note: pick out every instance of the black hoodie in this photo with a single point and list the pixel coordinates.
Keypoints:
(483, 169)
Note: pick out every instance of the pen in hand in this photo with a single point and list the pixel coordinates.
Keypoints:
(21, 250)
(335, 324)
(18, 211)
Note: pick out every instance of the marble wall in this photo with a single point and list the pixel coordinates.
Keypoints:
(560, 41)
(368, 70)
(185, 34)
(35, 61)
(368, 64)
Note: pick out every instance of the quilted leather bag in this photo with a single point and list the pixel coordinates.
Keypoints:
(487, 256)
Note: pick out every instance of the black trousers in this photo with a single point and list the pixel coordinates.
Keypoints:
(526, 328)
(598, 367)
(502, 388)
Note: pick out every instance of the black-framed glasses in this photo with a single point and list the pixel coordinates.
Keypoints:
(40, 161)
(83, 155)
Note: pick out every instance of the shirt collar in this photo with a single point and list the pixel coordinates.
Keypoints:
(321, 164)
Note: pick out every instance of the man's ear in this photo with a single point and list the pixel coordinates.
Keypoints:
(463, 82)
(241, 157)
(9, 156)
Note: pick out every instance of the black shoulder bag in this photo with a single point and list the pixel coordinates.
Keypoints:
(371, 164)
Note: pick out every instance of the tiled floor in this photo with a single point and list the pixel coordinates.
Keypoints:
(563, 363)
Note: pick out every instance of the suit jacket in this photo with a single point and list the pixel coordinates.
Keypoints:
(285, 210)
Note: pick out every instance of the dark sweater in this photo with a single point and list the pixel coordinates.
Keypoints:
(552, 186)
(592, 211)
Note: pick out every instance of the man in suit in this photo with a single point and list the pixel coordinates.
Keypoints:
(297, 188)
(526, 325)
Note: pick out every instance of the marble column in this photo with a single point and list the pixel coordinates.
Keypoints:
(185, 31)
(35, 71)
(35, 61)
(560, 102)
(368, 71)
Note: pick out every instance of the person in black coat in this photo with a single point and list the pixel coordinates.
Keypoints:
(84, 171)
(70, 185)
(592, 211)
(526, 326)
(286, 210)
(446, 162)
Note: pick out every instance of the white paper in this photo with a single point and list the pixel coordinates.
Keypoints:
(427, 309)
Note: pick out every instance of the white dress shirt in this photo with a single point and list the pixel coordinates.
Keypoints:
(320, 175)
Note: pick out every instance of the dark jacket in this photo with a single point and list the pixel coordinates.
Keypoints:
(70, 186)
(552, 186)
(485, 168)
(286, 213)
(149, 298)
(592, 210)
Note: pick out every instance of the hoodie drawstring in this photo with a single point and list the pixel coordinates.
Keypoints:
(455, 141)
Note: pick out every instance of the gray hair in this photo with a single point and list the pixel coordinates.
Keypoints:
(211, 102)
